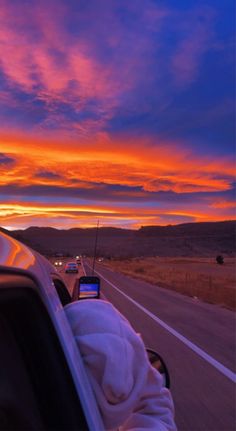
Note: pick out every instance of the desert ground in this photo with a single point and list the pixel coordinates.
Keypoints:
(198, 277)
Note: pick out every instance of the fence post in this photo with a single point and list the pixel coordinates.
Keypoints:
(210, 290)
(186, 284)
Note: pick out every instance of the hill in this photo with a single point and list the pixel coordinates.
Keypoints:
(192, 239)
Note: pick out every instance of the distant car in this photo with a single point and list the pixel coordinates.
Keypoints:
(58, 263)
(71, 267)
(100, 259)
(78, 261)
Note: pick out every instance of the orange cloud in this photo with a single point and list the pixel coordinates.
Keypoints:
(224, 204)
(141, 168)
(198, 216)
(22, 215)
(13, 215)
(164, 167)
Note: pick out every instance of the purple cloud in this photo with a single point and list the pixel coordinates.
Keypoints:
(5, 159)
(197, 37)
(48, 175)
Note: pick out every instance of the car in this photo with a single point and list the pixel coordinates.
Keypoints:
(58, 263)
(71, 267)
(42, 365)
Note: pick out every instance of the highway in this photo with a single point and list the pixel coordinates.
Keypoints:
(196, 340)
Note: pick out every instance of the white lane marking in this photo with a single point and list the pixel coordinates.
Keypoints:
(208, 358)
(82, 264)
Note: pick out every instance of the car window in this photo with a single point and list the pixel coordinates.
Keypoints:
(44, 371)
(62, 291)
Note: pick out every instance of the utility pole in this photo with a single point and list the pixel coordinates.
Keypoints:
(95, 247)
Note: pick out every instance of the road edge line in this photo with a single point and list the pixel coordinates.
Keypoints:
(208, 358)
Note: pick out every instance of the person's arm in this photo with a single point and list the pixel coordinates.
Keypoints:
(155, 410)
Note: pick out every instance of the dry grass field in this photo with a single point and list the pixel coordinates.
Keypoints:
(201, 278)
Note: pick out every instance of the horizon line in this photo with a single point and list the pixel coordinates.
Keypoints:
(11, 229)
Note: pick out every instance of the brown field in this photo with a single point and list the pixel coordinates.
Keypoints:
(201, 278)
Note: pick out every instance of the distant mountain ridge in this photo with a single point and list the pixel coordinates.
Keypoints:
(189, 239)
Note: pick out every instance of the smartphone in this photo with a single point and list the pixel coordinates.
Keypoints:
(89, 287)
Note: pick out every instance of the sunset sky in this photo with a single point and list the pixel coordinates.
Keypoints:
(116, 110)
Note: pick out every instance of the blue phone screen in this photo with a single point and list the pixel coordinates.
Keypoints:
(89, 290)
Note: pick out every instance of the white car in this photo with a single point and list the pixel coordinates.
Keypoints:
(71, 267)
(45, 386)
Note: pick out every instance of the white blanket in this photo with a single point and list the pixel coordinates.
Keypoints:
(128, 389)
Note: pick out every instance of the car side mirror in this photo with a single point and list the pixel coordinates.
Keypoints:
(157, 362)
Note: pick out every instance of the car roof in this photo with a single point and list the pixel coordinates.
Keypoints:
(14, 254)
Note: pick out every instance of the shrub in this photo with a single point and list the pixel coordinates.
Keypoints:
(140, 270)
(220, 259)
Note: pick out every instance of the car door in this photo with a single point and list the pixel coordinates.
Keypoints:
(37, 391)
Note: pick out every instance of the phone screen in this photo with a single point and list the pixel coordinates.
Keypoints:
(89, 287)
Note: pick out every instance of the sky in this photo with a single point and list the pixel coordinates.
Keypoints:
(116, 110)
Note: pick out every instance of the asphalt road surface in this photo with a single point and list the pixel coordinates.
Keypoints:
(196, 340)
(70, 278)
